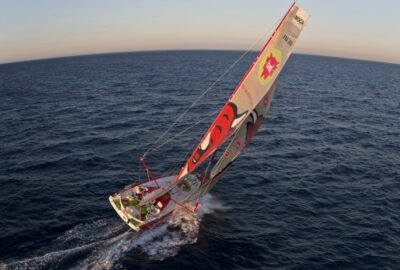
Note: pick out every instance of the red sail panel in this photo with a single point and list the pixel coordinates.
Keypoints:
(251, 89)
(244, 135)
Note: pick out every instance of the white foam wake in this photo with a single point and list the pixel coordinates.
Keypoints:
(103, 243)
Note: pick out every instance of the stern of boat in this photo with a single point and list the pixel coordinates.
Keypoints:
(115, 201)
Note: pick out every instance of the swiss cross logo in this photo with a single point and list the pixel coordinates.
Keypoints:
(269, 65)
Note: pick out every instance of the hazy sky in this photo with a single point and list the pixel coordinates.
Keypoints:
(48, 28)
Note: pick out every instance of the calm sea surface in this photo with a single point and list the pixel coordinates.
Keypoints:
(318, 188)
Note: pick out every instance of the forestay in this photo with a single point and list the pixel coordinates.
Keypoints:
(251, 93)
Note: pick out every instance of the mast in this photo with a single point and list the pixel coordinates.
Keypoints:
(250, 99)
(252, 88)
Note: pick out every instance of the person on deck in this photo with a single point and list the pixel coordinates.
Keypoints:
(143, 212)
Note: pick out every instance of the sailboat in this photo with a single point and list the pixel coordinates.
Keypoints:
(145, 204)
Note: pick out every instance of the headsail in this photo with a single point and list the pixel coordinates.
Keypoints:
(245, 134)
(251, 89)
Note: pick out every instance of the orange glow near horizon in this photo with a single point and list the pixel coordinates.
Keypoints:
(74, 28)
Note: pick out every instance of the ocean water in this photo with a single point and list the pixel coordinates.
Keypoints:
(318, 188)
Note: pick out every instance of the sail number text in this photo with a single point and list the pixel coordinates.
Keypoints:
(288, 40)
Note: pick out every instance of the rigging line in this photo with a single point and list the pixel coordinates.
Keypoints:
(207, 117)
(138, 177)
(177, 161)
(210, 87)
(189, 152)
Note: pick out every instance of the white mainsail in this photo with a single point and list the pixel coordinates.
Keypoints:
(239, 119)
(250, 91)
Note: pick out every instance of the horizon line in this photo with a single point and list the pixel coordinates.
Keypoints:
(194, 49)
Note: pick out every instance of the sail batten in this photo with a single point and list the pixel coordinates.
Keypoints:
(251, 89)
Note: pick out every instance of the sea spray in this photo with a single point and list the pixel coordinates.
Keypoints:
(102, 244)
